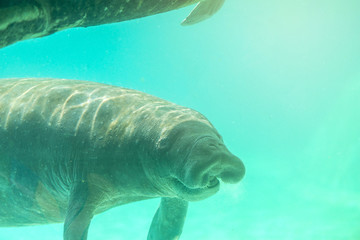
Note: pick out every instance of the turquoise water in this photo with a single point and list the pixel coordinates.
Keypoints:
(280, 80)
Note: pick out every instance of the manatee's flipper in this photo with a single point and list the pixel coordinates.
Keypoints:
(169, 219)
(79, 213)
(203, 10)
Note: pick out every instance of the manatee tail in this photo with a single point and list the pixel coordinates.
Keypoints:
(203, 10)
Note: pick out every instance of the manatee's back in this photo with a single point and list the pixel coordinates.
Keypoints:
(70, 106)
(29, 108)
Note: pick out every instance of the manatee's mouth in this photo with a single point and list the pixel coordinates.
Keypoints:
(213, 182)
(212, 186)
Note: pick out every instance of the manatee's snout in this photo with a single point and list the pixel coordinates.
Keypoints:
(232, 169)
(210, 161)
(221, 165)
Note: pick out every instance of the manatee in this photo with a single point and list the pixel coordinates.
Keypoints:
(72, 149)
(25, 19)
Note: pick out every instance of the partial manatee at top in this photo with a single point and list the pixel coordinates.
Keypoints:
(26, 19)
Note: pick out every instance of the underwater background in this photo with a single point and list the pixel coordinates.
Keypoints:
(280, 80)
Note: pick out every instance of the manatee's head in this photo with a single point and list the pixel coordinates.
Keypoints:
(198, 160)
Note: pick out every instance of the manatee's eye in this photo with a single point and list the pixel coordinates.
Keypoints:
(205, 147)
(213, 146)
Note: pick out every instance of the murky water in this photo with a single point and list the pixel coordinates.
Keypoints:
(281, 83)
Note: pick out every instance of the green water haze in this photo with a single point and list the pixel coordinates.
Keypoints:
(280, 80)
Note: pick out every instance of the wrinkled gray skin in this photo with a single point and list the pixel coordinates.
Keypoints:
(25, 19)
(73, 149)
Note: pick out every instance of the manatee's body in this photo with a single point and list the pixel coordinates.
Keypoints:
(25, 19)
(72, 149)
